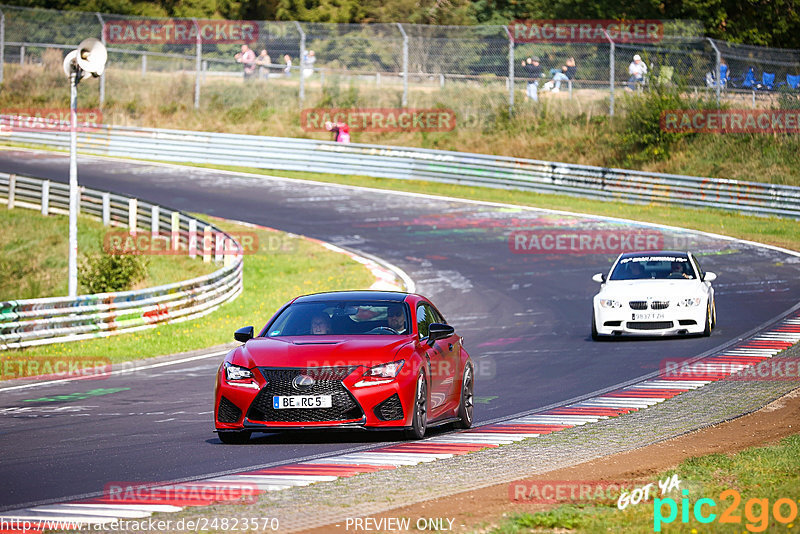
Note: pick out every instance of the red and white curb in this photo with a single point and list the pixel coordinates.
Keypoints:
(233, 488)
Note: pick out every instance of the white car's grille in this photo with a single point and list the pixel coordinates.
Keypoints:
(654, 305)
(638, 304)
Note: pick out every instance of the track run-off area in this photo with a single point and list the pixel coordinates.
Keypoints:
(524, 316)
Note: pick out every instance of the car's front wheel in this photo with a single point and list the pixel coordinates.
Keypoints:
(419, 419)
(709, 321)
(595, 335)
(465, 406)
(234, 438)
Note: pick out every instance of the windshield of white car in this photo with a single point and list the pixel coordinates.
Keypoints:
(653, 268)
(341, 318)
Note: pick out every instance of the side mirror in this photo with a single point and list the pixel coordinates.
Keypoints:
(244, 334)
(709, 277)
(439, 331)
(599, 278)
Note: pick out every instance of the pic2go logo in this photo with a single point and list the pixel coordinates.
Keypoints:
(756, 511)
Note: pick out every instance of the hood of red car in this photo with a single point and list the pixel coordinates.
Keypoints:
(319, 351)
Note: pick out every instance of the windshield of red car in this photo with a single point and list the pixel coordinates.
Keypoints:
(341, 318)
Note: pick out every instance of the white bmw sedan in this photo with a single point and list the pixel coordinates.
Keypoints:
(654, 294)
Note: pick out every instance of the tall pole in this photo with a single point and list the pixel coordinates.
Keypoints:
(102, 76)
(405, 64)
(302, 60)
(610, 75)
(198, 65)
(511, 66)
(718, 73)
(2, 44)
(72, 271)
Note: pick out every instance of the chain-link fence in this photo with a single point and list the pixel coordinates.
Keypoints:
(391, 65)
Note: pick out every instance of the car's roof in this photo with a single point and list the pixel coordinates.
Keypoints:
(655, 254)
(394, 296)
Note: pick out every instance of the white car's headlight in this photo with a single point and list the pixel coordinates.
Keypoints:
(237, 372)
(689, 303)
(610, 303)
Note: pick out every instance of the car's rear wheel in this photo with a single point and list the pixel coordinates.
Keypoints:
(465, 406)
(709, 325)
(234, 438)
(595, 335)
(419, 419)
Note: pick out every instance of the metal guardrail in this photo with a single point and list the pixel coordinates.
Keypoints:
(423, 164)
(25, 323)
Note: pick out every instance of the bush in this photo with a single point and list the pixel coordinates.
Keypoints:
(104, 273)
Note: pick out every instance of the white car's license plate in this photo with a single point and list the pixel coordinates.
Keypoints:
(301, 401)
(647, 316)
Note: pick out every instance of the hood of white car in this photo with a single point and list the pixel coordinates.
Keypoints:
(643, 289)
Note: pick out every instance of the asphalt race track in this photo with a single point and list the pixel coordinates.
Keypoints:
(524, 318)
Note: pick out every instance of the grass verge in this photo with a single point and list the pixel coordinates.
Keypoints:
(283, 267)
(33, 255)
(747, 486)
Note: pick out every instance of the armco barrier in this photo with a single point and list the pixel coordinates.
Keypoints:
(25, 323)
(422, 164)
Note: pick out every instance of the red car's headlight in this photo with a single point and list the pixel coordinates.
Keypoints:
(237, 372)
(386, 370)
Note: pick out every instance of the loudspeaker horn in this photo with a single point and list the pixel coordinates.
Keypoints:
(92, 56)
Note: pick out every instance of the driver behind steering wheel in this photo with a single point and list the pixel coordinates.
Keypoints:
(396, 318)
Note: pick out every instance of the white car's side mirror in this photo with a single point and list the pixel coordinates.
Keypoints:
(599, 278)
(709, 277)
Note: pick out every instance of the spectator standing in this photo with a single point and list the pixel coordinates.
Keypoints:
(308, 64)
(533, 71)
(637, 71)
(263, 61)
(248, 59)
(287, 70)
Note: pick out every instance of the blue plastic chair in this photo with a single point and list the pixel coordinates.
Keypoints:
(748, 81)
(767, 81)
(792, 81)
(723, 75)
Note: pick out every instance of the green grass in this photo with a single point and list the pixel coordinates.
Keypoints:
(763, 473)
(283, 268)
(770, 230)
(33, 255)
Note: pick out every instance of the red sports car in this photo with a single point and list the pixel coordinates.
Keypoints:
(362, 359)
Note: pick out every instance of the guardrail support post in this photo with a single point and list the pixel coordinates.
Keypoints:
(155, 220)
(175, 230)
(192, 238)
(511, 66)
(102, 76)
(207, 244)
(12, 185)
(441, 80)
(133, 212)
(106, 209)
(405, 64)
(302, 95)
(144, 65)
(227, 253)
(219, 242)
(46, 198)
(22, 55)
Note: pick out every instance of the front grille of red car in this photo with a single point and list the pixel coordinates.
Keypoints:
(389, 410)
(228, 412)
(327, 381)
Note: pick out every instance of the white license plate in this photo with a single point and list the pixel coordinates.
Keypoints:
(301, 401)
(647, 316)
